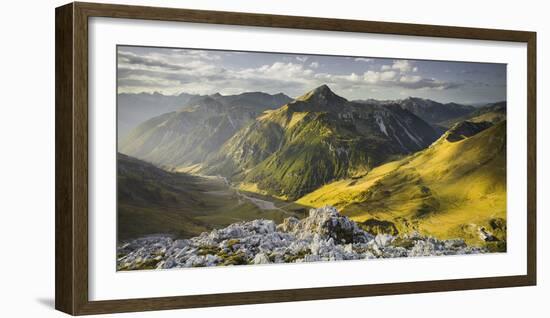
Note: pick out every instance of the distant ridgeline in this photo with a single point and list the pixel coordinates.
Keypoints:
(393, 166)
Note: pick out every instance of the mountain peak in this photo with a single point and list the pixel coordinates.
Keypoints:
(322, 94)
(323, 90)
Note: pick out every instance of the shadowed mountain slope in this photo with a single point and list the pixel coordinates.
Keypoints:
(153, 201)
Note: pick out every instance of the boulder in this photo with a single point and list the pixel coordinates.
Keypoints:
(327, 222)
(383, 240)
(288, 224)
(261, 258)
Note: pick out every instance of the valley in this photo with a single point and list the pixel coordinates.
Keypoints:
(393, 167)
(155, 201)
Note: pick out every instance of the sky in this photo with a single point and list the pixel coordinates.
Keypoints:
(173, 71)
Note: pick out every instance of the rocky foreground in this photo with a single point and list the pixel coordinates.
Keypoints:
(324, 235)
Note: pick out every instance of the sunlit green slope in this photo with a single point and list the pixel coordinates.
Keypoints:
(454, 188)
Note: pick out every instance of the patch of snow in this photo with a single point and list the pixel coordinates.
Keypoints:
(409, 134)
(164, 123)
(231, 122)
(381, 124)
(398, 140)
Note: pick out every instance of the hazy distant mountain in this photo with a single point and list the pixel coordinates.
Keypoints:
(493, 113)
(431, 111)
(434, 112)
(134, 109)
(185, 137)
(315, 139)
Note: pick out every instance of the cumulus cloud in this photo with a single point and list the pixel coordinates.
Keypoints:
(388, 76)
(276, 71)
(204, 72)
(402, 66)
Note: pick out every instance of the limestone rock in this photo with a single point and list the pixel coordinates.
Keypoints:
(261, 258)
(324, 235)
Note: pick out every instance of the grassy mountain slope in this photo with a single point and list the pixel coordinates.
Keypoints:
(315, 139)
(449, 190)
(151, 201)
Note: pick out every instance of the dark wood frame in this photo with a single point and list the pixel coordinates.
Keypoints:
(71, 164)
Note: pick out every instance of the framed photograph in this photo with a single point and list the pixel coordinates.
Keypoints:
(211, 158)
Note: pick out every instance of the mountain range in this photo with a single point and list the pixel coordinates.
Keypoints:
(493, 113)
(319, 137)
(186, 136)
(429, 110)
(133, 109)
(393, 166)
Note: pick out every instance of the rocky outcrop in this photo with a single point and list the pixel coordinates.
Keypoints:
(328, 223)
(324, 235)
(466, 129)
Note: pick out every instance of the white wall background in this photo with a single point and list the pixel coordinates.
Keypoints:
(27, 158)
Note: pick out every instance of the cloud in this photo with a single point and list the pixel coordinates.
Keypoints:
(131, 58)
(398, 75)
(276, 71)
(202, 54)
(204, 72)
(402, 66)
(388, 76)
(363, 59)
(410, 79)
(418, 82)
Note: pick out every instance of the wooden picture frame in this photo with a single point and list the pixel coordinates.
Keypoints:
(71, 90)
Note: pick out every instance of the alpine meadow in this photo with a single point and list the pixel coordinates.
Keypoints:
(242, 158)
